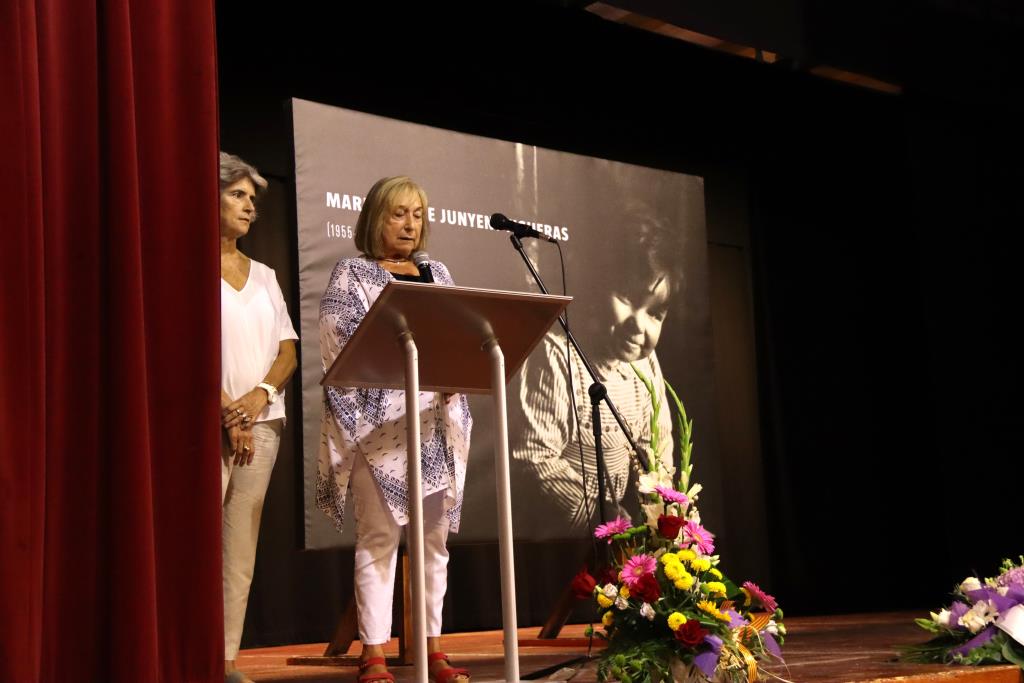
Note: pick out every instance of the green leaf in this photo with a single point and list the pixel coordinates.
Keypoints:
(684, 427)
(656, 409)
(1013, 652)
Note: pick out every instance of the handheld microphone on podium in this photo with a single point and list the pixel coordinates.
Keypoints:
(422, 261)
(520, 230)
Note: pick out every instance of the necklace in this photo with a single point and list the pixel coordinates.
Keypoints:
(394, 260)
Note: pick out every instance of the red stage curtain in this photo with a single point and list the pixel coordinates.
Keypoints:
(109, 342)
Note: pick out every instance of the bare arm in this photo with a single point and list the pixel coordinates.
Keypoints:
(253, 402)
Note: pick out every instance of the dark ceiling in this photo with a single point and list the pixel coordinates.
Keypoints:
(960, 49)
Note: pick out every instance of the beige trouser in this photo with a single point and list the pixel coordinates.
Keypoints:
(242, 491)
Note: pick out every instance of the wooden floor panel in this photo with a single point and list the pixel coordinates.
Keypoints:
(837, 649)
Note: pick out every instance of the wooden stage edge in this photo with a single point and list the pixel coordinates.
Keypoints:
(824, 649)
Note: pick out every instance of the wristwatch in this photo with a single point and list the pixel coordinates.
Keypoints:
(270, 389)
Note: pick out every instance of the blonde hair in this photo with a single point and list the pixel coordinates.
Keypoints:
(379, 202)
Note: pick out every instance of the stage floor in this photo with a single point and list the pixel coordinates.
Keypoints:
(837, 649)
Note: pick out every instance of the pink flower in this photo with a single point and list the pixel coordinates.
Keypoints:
(698, 536)
(637, 567)
(616, 526)
(762, 597)
(671, 495)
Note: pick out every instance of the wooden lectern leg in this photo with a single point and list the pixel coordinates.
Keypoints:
(559, 615)
(405, 653)
(347, 630)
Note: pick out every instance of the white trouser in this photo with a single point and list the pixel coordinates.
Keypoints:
(377, 536)
(242, 491)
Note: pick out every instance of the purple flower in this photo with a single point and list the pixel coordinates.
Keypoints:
(671, 495)
(708, 660)
(1013, 577)
(735, 620)
(957, 610)
(1000, 602)
(771, 644)
(616, 526)
(698, 536)
(976, 641)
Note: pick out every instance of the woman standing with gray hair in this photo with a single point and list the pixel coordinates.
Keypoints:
(257, 360)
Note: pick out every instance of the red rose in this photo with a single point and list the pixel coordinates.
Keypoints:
(582, 585)
(647, 588)
(608, 575)
(669, 525)
(691, 633)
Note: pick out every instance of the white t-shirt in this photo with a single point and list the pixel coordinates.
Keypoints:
(253, 323)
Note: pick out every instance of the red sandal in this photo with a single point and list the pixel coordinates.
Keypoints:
(379, 676)
(445, 675)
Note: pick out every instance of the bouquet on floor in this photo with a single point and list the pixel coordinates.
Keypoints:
(668, 611)
(983, 625)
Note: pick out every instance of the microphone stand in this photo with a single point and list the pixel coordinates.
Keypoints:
(598, 393)
(601, 392)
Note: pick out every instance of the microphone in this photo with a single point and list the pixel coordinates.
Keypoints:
(520, 230)
(422, 261)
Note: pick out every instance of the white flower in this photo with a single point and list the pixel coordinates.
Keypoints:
(694, 491)
(610, 591)
(978, 617)
(1003, 590)
(772, 627)
(647, 482)
(621, 603)
(942, 618)
(971, 583)
(647, 612)
(652, 511)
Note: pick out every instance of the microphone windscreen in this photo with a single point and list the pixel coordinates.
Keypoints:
(420, 258)
(499, 221)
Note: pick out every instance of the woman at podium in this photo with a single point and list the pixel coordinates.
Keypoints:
(258, 359)
(363, 433)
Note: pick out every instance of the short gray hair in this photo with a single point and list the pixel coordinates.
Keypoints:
(234, 168)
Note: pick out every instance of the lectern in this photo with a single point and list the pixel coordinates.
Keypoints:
(432, 337)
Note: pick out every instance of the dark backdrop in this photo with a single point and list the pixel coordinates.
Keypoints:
(876, 237)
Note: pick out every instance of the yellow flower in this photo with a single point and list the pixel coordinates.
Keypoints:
(669, 557)
(604, 601)
(716, 588)
(608, 618)
(675, 620)
(700, 564)
(674, 570)
(685, 582)
(686, 555)
(710, 608)
(746, 596)
(624, 592)
(715, 573)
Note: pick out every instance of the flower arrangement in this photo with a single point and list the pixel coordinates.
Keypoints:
(983, 625)
(668, 611)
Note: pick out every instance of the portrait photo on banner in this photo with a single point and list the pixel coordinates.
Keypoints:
(634, 243)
